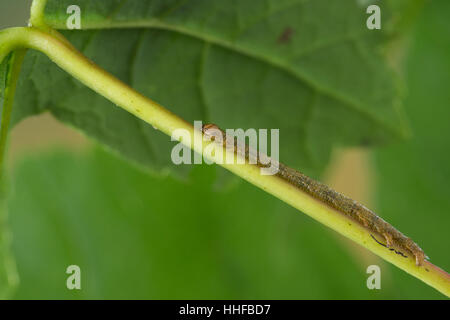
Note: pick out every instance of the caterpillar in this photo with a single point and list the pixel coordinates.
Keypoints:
(332, 198)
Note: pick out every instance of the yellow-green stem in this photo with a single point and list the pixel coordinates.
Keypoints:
(14, 70)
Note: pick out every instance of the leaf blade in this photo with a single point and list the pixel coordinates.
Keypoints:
(246, 76)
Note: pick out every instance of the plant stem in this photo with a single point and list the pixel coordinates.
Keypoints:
(10, 277)
(80, 67)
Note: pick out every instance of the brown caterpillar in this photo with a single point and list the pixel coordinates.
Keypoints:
(336, 200)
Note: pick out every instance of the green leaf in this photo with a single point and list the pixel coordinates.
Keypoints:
(310, 68)
(413, 183)
(131, 240)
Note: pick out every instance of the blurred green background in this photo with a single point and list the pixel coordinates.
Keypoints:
(71, 203)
